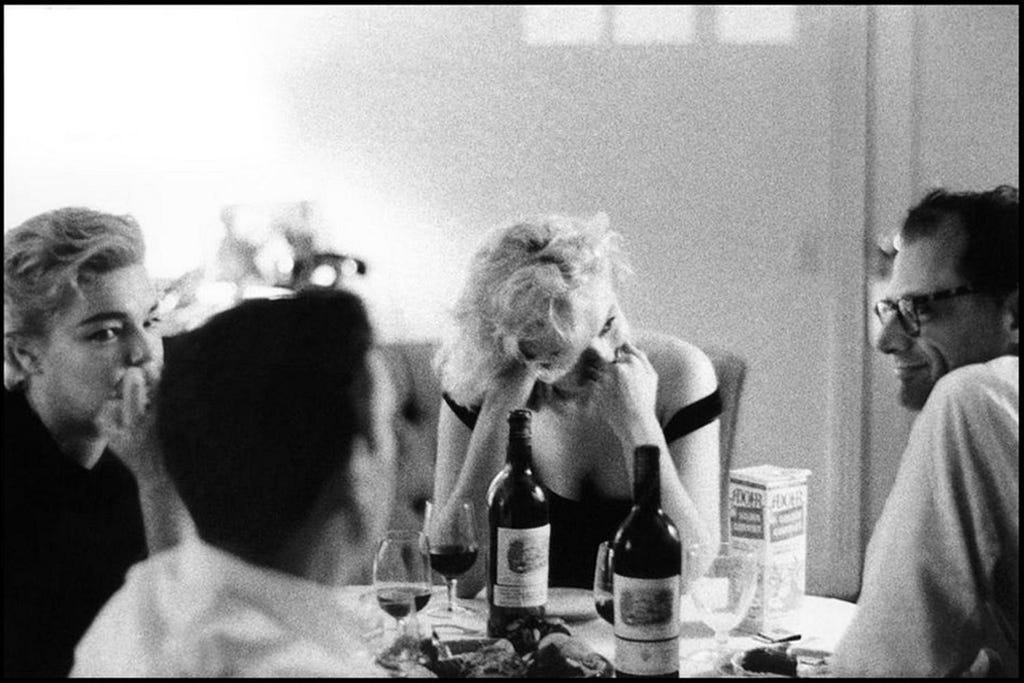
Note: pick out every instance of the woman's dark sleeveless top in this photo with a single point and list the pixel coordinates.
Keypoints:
(70, 535)
(579, 526)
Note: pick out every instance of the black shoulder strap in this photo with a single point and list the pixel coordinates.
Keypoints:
(466, 415)
(690, 418)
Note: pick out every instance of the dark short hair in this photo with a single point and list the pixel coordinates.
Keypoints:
(991, 221)
(257, 410)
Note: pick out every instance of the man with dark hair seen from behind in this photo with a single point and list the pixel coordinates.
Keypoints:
(940, 594)
(272, 422)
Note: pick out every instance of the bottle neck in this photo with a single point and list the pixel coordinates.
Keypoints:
(647, 482)
(520, 454)
(647, 495)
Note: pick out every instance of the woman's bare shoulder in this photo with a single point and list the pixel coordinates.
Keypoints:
(672, 351)
(684, 369)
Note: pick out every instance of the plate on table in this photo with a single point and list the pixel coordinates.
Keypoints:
(571, 604)
(462, 646)
(763, 668)
(780, 662)
(477, 658)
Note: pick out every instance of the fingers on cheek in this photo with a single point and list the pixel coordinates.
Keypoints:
(130, 397)
(152, 374)
(614, 375)
(124, 415)
(135, 398)
(113, 415)
(141, 404)
(108, 414)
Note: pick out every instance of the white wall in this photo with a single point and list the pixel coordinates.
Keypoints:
(713, 160)
(945, 87)
(419, 128)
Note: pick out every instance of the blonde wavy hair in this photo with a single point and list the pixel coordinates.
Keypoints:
(49, 256)
(520, 290)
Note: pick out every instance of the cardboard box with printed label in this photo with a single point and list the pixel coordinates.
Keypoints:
(768, 514)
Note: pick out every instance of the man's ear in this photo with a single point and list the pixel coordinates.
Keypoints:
(1010, 320)
(345, 515)
(21, 359)
(1012, 307)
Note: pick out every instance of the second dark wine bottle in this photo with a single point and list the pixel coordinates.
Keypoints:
(517, 572)
(648, 564)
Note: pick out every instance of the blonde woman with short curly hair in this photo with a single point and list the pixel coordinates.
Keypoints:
(80, 343)
(538, 324)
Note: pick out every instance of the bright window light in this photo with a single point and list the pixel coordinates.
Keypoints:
(756, 23)
(135, 84)
(642, 24)
(563, 24)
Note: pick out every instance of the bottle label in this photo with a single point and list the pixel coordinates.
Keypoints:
(521, 579)
(646, 625)
(646, 658)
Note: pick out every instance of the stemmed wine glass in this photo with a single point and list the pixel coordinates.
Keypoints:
(401, 580)
(604, 596)
(723, 593)
(453, 550)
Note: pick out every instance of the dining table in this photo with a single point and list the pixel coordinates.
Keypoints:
(819, 622)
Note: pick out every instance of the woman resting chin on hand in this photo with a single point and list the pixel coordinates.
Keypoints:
(538, 325)
(81, 350)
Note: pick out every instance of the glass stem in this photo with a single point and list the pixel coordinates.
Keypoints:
(412, 626)
(451, 594)
(721, 642)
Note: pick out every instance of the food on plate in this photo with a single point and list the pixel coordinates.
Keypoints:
(391, 655)
(494, 659)
(536, 648)
(525, 633)
(768, 660)
(417, 671)
(562, 656)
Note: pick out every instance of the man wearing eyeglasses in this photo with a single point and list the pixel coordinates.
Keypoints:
(940, 591)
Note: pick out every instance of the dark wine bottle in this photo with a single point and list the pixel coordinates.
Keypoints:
(648, 564)
(517, 572)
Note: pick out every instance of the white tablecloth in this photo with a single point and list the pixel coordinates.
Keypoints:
(820, 621)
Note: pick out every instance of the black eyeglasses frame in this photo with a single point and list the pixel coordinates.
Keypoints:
(905, 307)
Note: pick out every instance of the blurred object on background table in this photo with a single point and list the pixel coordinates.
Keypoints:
(267, 250)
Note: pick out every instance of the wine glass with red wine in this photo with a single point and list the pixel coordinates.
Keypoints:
(603, 594)
(401, 580)
(453, 549)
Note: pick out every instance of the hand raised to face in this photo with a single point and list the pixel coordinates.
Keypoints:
(128, 422)
(512, 387)
(627, 390)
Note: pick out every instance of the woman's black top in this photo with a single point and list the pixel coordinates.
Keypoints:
(579, 526)
(70, 535)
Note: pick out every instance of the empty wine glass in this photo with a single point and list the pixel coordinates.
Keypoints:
(401, 580)
(723, 593)
(603, 572)
(453, 550)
